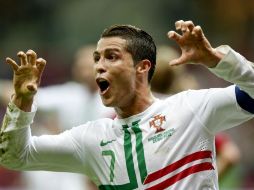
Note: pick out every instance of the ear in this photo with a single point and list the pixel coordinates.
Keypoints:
(143, 66)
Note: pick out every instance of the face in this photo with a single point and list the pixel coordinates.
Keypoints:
(83, 68)
(114, 72)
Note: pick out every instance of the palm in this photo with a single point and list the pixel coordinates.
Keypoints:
(27, 75)
(194, 48)
(194, 45)
(26, 80)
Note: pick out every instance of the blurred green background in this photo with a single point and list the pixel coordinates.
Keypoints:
(56, 29)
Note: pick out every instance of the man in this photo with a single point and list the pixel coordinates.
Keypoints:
(168, 81)
(151, 144)
(56, 101)
(54, 104)
(84, 101)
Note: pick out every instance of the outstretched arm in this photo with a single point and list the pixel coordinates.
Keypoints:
(217, 109)
(18, 148)
(222, 61)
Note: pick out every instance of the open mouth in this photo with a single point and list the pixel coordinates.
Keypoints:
(103, 85)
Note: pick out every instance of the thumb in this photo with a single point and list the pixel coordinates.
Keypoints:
(12, 63)
(181, 60)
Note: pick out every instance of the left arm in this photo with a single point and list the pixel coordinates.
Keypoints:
(223, 61)
(221, 108)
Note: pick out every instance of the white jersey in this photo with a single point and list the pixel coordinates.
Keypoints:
(168, 146)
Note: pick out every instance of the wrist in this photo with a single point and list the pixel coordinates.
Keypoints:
(23, 103)
(214, 58)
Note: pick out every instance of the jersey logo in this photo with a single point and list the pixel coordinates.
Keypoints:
(157, 122)
(106, 142)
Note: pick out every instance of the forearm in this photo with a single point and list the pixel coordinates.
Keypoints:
(23, 103)
(15, 134)
(213, 58)
(230, 106)
(235, 69)
(20, 151)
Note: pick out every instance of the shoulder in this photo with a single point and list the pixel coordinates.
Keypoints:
(214, 93)
(103, 122)
(91, 129)
(194, 99)
(96, 125)
(175, 98)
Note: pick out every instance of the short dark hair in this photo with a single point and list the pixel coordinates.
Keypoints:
(139, 43)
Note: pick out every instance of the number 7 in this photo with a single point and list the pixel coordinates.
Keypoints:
(133, 184)
(112, 163)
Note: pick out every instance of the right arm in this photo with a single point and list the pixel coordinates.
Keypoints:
(18, 149)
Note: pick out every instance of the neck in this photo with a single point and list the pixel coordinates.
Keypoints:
(139, 104)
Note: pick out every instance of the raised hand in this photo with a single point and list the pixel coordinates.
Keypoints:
(194, 45)
(26, 78)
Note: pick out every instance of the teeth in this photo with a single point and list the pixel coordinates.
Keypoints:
(102, 80)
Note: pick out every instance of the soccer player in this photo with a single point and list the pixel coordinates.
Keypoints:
(151, 144)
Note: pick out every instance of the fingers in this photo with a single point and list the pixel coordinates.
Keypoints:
(23, 58)
(179, 61)
(13, 64)
(189, 24)
(40, 63)
(192, 41)
(31, 57)
(178, 24)
(188, 29)
(173, 35)
(184, 26)
(27, 58)
(197, 31)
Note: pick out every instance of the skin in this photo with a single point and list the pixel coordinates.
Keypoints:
(26, 79)
(115, 64)
(129, 92)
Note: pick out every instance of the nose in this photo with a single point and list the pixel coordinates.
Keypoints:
(100, 67)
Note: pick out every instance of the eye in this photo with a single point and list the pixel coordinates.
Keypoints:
(96, 58)
(111, 57)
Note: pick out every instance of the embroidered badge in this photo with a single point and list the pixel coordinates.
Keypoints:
(157, 123)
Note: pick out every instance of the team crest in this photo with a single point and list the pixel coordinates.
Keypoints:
(157, 122)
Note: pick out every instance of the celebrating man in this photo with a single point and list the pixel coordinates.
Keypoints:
(151, 144)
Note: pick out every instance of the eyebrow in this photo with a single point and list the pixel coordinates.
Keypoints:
(95, 53)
